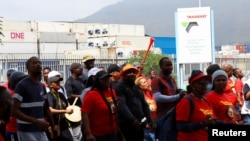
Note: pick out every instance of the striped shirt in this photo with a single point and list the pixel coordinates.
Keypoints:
(32, 98)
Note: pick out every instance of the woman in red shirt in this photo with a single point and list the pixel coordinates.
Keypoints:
(192, 123)
(222, 105)
(99, 111)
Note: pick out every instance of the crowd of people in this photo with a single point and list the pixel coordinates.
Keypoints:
(118, 103)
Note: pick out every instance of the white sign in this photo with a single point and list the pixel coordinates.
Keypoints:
(194, 35)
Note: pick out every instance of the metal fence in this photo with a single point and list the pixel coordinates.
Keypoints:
(62, 63)
(58, 62)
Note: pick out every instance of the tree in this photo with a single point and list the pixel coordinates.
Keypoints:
(151, 62)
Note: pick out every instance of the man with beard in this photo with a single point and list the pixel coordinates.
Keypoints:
(30, 104)
(134, 113)
(5, 110)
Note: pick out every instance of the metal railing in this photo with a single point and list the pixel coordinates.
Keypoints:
(60, 63)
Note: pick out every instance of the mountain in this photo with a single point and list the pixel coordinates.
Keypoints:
(230, 17)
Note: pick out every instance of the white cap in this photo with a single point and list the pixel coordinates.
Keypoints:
(54, 73)
(93, 71)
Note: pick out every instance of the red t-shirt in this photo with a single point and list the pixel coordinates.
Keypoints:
(222, 106)
(201, 110)
(230, 92)
(101, 121)
(11, 126)
(238, 84)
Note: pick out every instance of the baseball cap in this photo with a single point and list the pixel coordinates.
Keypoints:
(54, 73)
(93, 71)
(54, 79)
(87, 58)
(102, 74)
(196, 75)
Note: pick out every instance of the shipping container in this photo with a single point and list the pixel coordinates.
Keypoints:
(57, 37)
(54, 26)
(93, 51)
(241, 48)
(100, 30)
(104, 53)
(124, 53)
(80, 27)
(82, 46)
(24, 26)
(81, 37)
(225, 52)
(227, 47)
(19, 37)
(123, 30)
(247, 48)
(112, 53)
(138, 42)
(234, 52)
(8, 48)
(56, 47)
(95, 42)
(217, 48)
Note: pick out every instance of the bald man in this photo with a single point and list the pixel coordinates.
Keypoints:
(230, 88)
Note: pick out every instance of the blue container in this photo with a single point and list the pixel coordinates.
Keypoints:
(247, 49)
(217, 48)
(167, 44)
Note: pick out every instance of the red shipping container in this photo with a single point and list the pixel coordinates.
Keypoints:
(241, 48)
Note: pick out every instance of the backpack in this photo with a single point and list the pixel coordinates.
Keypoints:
(166, 125)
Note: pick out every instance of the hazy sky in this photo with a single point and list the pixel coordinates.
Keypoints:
(50, 10)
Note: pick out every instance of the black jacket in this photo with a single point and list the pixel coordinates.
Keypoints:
(132, 104)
